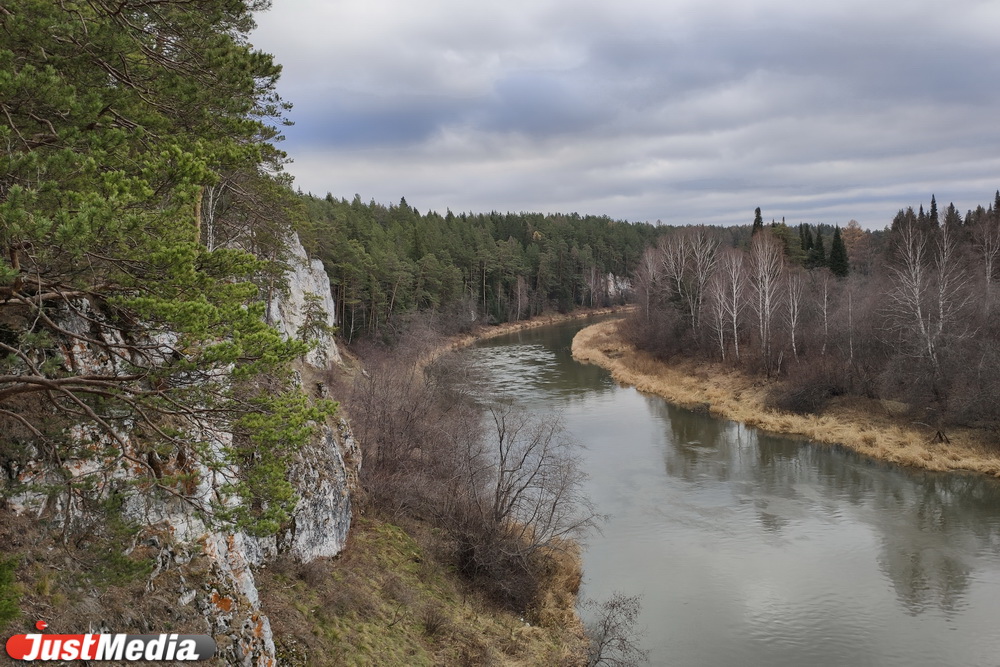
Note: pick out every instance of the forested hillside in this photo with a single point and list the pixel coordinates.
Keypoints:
(386, 261)
(907, 314)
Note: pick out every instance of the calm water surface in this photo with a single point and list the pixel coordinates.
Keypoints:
(752, 549)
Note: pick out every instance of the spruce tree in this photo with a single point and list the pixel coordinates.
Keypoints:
(952, 218)
(839, 264)
(807, 239)
(758, 222)
(817, 256)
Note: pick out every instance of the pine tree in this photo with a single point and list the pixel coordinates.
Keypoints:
(839, 264)
(118, 136)
(758, 222)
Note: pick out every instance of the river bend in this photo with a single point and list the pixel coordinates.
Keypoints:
(754, 549)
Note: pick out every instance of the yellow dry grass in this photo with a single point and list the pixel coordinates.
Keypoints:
(872, 428)
(392, 598)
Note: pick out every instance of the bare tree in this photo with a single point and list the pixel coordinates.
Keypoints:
(986, 240)
(614, 639)
(717, 310)
(732, 276)
(952, 293)
(766, 266)
(822, 280)
(688, 260)
(703, 259)
(525, 481)
(929, 291)
(794, 283)
(517, 497)
(647, 277)
(911, 283)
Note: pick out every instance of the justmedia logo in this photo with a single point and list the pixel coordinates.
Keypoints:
(118, 647)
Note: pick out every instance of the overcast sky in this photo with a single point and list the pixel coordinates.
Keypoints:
(687, 111)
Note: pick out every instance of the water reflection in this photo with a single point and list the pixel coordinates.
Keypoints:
(927, 523)
(753, 548)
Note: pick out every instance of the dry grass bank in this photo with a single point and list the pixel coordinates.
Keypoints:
(866, 426)
(391, 599)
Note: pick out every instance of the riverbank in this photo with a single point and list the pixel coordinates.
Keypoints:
(393, 598)
(485, 332)
(402, 600)
(863, 425)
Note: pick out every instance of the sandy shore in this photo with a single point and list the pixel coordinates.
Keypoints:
(864, 425)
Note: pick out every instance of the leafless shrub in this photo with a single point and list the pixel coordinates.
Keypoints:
(810, 386)
(521, 495)
(434, 620)
(504, 485)
(614, 639)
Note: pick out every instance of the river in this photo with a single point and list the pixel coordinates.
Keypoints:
(754, 549)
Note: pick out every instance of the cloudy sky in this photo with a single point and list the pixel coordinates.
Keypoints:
(687, 111)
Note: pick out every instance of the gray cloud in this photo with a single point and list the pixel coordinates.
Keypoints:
(680, 111)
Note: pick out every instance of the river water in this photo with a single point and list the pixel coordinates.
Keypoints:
(753, 549)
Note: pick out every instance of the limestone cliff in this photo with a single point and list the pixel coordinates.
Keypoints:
(203, 571)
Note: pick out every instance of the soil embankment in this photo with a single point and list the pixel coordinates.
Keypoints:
(870, 427)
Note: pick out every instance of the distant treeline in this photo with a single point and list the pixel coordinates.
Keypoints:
(908, 313)
(388, 261)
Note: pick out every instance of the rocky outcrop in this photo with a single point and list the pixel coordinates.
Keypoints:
(306, 306)
(201, 567)
(323, 475)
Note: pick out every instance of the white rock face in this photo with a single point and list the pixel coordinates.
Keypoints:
(323, 516)
(323, 474)
(618, 285)
(308, 296)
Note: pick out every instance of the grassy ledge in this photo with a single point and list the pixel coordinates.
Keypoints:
(871, 427)
(390, 599)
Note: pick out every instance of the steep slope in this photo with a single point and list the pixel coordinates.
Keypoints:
(170, 554)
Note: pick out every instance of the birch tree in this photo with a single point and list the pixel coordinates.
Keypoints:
(929, 291)
(647, 277)
(717, 311)
(766, 267)
(687, 261)
(794, 287)
(822, 280)
(986, 241)
(728, 294)
(703, 256)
